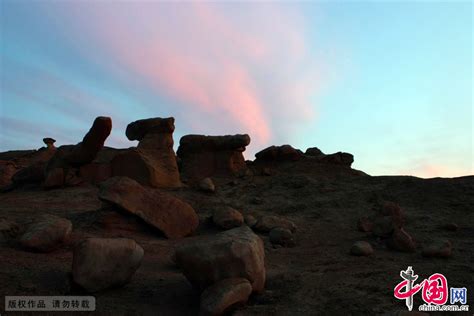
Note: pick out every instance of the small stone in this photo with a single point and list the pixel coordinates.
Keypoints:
(207, 185)
(250, 220)
(364, 224)
(222, 295)
(451, 227)
(227, 218)
(441, 249)
(281, 236)
(362, 248)
(401, 241)
(101, 263)
(257, 200)
(48, 233)
(267, 223)
(383, 226)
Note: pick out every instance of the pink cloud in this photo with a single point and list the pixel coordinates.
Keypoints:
(432, 170)
(245, 68)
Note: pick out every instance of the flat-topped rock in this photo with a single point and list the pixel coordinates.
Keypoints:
(138, 129)
(279, 153)
(195, 143)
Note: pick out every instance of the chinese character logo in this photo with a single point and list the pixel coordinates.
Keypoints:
(458, 295)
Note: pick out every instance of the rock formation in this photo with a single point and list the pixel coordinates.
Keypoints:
(153, 162)
(206, 156)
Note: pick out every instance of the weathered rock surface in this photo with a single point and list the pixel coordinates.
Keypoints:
(207, 185)
(153, 162)
(206, 156)
(227, 218)
(268, 222)
(339, 158)
(46, 234)
(235, 253)
(101, 263)
(361, 248)
(7, 170)
(224, 294)
(175, 218)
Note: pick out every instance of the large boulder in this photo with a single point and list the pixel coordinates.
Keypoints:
(101, 263)
(227, 217)
(153, 162)
(235, 253)
(46, 234)
(175, 218)
(7, 170)
(223, 295)
(278, 153)
(339, 158)
(209, 156)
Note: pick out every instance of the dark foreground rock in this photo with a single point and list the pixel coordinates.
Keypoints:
(224, 294)
(235, 253)
(175, 218)
(101, 263)
(46, 233)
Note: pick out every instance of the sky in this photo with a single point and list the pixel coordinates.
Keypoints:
(388, 81)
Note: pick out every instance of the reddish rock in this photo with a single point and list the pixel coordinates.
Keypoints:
(401, 241)
(170, 215)
(30, 175)
(364, 224)
(153, 162)
(223, 295)
(361, 248)
(235, 253)
(207, 156)
(227, 218)
(46, 234)
(393, 209)
(54, 178)
(95, 172)
(207, 185)
(281, 236)
(101, 263)
(7, 170)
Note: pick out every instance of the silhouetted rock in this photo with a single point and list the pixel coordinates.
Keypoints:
(339, 158)
(222, 295)
(170, 215)
(314, 151)
(153, 162)
(361, 248)
(46, 234)
(235, 253)
(278, 153)
(227, 218)
(101, 263)
(205, 156)
(49, 142)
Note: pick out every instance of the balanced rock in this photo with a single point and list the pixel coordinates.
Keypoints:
(281, 236)
(175, 218)
(227, 218)
(441, 249)
(101, 263)
(278, 153)
(206, 156)
(268, 222)
(223, 295)
(46, 234)
(401, 241)
(49, 142)
(153, 162)
(361, 248)
(234, 253)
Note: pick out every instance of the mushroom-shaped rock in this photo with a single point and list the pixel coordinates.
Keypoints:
(175, 218)
(224, 294)
(46, 234)
(49, 142)
(206, 156)
(153, 162)
(234, 253)
(101, 263)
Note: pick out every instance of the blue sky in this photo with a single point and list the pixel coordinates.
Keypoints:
(390, 82)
